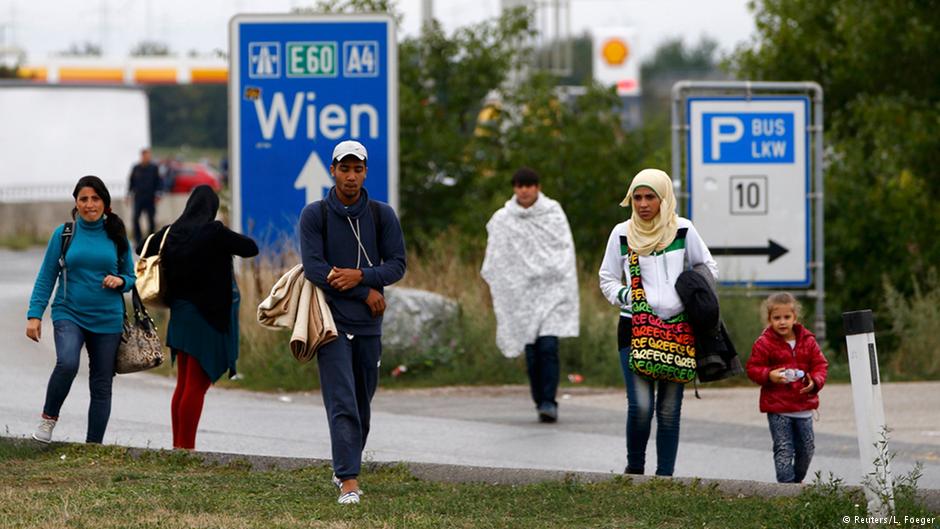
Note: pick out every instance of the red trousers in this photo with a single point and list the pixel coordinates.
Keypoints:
(192, 383)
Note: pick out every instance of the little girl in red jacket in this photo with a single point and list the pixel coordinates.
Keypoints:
(790, 368)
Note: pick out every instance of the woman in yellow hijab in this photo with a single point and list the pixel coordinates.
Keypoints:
(666, 245)
(653, 223)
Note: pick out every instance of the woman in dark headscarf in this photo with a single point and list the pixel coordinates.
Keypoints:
(201, 292)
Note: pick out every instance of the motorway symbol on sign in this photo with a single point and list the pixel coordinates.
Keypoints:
(749, 186)
(298, 85)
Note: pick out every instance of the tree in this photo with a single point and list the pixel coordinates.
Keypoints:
(195, 115)
(877, 65)
(84, 49)
(150, 48)
(674, 61)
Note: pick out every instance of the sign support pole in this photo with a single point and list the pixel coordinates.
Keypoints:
(818, 193)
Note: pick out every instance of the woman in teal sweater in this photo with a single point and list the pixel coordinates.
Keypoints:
(88, 308)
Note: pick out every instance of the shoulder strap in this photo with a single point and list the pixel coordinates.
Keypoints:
(323, 230)
(68, 231)
(376, 219)
(163, 240)
(143, 251)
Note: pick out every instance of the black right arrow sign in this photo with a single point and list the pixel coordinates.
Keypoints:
(772, 250)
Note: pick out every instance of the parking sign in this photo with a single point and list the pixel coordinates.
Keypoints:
(749, 186)
(298, 85)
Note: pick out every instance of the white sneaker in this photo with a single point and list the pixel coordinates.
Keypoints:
(348, 498)
(43, 432)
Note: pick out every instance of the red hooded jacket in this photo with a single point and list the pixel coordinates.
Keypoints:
(770, 352)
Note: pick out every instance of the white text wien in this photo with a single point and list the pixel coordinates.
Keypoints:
(332, 121)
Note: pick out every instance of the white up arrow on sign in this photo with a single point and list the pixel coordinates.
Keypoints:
(314, 178)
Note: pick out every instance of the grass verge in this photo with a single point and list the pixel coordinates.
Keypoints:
(79, 486)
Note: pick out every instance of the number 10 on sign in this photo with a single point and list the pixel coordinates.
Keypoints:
(748, 195)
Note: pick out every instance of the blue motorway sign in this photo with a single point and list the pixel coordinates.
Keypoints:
(298, 85)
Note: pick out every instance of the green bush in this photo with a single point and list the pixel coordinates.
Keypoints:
(914, 322)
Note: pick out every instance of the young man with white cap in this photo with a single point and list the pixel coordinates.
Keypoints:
(351, 247)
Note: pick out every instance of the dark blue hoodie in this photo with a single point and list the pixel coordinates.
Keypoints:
(387, 254)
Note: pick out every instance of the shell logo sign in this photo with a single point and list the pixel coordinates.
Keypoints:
(615, 51)
(615, 62)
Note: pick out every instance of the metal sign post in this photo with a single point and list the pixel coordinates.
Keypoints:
(747, 157)
(869, 410)
(298, 85)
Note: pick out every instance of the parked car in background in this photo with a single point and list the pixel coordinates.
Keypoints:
(188, 175)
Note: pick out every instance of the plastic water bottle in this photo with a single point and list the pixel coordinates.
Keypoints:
(792, 375)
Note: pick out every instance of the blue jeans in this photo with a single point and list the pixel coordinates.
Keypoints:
(102, 348)
(541, 359)
(349, 376)
(794, 444)
(643, 395)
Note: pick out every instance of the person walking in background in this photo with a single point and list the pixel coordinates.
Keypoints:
(144, 189)
(351, 247)
(665, 245)
(790, 368)
(168, 169)
(202, 334)
(91, 261)
(532, 273)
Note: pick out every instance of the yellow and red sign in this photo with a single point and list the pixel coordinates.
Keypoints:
(615, 51)
(615, 62)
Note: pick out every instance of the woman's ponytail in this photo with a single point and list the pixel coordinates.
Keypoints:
(117, 232)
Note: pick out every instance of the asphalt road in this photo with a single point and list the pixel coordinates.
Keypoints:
(724, 436)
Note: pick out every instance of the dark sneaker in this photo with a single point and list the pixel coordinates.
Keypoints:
(548, 412)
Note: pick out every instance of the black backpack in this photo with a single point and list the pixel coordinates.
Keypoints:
(68, 231)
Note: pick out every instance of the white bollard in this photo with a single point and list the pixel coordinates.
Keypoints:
(869, 411)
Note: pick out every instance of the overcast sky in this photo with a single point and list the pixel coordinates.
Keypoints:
(44, 27)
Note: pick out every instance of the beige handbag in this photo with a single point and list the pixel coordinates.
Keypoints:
(149, 283)
(140, 346)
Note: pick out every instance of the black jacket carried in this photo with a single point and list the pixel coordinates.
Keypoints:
(715, 355)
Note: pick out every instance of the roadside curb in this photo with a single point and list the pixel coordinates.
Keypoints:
(444, 473)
